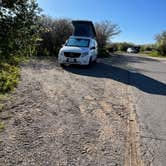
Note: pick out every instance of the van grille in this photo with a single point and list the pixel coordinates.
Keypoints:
(72, 54)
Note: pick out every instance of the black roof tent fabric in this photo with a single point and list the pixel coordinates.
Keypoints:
(84, 28)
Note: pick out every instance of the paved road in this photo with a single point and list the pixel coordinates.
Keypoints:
(147, 76)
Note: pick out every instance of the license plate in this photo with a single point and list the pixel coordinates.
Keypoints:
(70, 60)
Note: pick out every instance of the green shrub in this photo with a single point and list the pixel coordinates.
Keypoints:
(2, 126)
(103, 52)
(9, 76)
(147, 47)
(161, 43)
(1, 107)
(156, 54)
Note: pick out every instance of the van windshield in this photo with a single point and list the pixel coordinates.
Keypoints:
(78, 42)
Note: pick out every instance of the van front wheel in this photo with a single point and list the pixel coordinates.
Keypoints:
(62, 65)
(90, 62)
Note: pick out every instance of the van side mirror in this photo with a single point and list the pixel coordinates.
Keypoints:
(93, 48)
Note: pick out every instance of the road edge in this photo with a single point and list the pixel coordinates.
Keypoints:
(133, 150)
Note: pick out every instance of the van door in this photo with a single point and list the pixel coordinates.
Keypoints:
(93, 50)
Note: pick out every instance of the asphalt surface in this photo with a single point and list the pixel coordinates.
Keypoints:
(147, 77)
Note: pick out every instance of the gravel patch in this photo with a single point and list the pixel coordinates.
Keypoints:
(60, 118)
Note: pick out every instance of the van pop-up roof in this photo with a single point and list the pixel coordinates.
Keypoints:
(83, 28)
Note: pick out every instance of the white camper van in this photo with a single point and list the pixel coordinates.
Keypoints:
(81, 47)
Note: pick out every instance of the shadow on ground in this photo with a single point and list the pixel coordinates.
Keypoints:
(140, 81)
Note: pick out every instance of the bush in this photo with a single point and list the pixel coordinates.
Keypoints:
(18, 35)
(112, 47)
(9, 73)
(122, 47)
(2, 126)
(161, 43)
(154, 53)
(103, 52)
(53, 33)
(105, 30)
(9, 76)
(19, 28)
(147, 47)
(162, 49)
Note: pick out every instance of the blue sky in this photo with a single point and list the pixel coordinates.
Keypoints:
(139, 20)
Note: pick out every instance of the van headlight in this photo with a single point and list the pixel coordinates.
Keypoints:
(84, 54)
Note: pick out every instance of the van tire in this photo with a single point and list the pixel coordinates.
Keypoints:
(95, 61)
(62, 65)
(90, 62)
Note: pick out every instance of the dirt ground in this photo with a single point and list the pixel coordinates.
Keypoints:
(65, 117)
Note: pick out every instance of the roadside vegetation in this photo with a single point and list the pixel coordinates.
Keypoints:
(53, 34)
(18, 34)
(2, 126)
(105, 30)
(121, 47)
(157, 49)
(161, 43)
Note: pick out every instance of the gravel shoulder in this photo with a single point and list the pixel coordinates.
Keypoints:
(66, 117)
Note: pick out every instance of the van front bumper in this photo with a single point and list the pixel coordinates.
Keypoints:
(79, 61)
